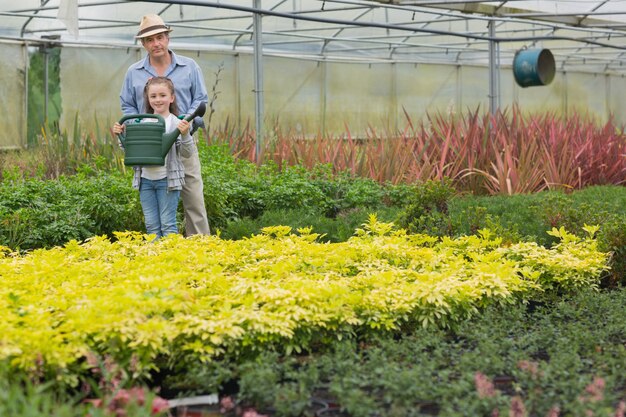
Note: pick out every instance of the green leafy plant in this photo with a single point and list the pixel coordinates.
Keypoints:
(276, 290)
(612, 239)
(427, 209)
(38, 213)
(561, 359)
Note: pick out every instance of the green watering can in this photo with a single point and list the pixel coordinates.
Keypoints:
(147, 143)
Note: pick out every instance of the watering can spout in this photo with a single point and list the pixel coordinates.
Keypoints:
(170, 138)
(147, 143)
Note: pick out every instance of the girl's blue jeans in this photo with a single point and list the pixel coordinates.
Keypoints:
(159, 207)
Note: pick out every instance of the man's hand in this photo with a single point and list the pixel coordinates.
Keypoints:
(198, 122)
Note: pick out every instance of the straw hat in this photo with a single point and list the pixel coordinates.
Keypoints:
(150, 25)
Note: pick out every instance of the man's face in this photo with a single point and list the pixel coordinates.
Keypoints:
(156, 45)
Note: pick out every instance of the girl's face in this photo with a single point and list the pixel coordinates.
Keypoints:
(160, 98)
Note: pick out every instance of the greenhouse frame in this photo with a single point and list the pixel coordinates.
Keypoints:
(317, 66)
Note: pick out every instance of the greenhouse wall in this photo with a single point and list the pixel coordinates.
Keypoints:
(13, 70)
(304, 96)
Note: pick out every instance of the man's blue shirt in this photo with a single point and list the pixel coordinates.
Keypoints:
(184, 73)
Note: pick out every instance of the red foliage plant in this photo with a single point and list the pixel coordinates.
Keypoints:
(504, 153)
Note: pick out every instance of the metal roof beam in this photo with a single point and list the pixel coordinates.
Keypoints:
(479, 7)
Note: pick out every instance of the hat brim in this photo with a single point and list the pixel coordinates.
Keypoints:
(152, 32)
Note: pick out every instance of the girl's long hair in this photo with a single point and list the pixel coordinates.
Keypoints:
(170, 85)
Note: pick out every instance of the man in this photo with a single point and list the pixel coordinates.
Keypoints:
(190, 92)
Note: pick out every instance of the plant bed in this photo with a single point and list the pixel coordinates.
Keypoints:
(271, 305)
(488, 362)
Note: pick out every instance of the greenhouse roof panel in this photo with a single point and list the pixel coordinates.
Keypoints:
(582, 35)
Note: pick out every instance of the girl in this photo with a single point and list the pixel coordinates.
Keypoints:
(159, 186)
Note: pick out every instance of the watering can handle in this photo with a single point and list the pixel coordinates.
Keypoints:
(122, 137)
(199, 112)
(141, 116)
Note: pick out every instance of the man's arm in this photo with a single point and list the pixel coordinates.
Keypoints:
(198, 89)
(128, 101)
(198, 95)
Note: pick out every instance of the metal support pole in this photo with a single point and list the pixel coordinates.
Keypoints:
(46, 61)
(258, 79)
(494, 94)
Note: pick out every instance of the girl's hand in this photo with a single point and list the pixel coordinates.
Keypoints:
(118, 128)
(184, 126)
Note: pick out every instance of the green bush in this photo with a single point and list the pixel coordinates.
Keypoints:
(223, 177)
(337, 229)
(612, 238)
(236, 190)
(38, 213)
(513, 214)
(397, 195)
(26, 399)
(241, 198)
(290, 188)
(530, 217)
(21, 396)
(569, 355)
(427, 209)
(110, 201)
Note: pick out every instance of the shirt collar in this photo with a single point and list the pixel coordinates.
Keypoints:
(175, 61)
